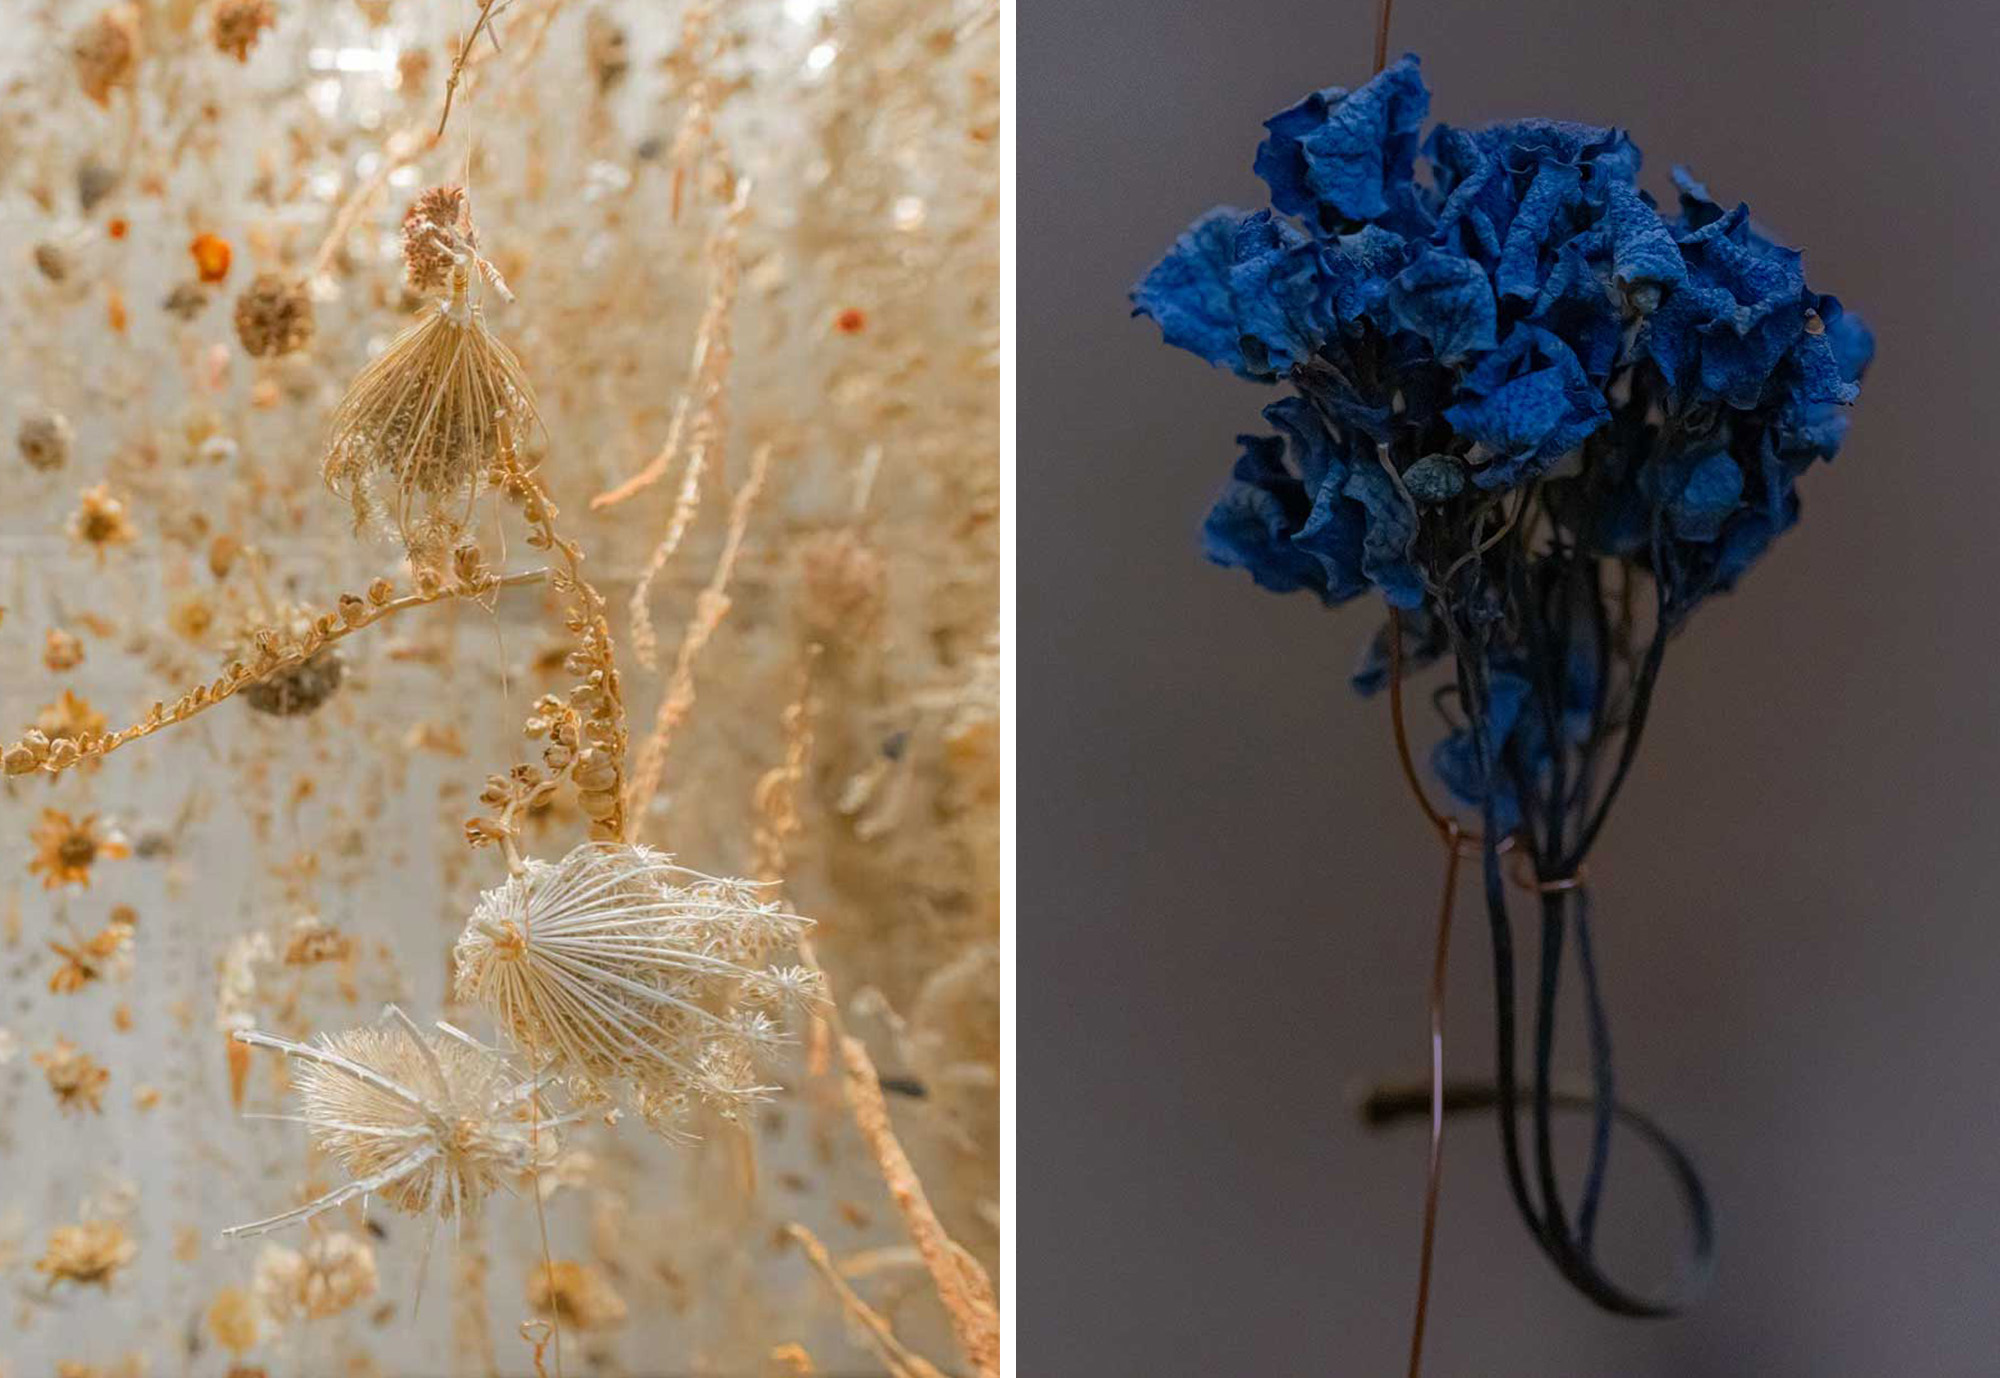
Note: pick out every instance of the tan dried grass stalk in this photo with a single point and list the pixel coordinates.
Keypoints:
(711, 605)
(901, 1360)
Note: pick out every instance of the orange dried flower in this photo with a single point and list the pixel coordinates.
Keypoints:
(211, 256)
(87, 961)
(69, 717)
(62, 651)
(852, 321)
(88, 1253)
(66, 849)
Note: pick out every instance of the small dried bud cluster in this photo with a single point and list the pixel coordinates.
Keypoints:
(287, 688)
(87, 1254)
(54, 261)
(62, 651)
(100, 521)
(437, 237)
(45, 440)
(623, 971)
(235, 25)
(106, 52)
(311, 941)
(274, 316)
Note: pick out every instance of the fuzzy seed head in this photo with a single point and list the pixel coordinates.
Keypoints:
(274, 316)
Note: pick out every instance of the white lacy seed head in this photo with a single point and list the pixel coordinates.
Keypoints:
(617, 968)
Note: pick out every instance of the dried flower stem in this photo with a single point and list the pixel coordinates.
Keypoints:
(487, 9)
(776, 795)
(901, 1361)
(711, 605)
(402, 148)
(33, 753)
(962, 1285)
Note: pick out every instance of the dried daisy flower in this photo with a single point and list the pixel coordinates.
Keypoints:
(45, 440)
(274, 316)
(77, 1078)
(576, 1295)
(61, 651)
(66, 848)
(432, 1123)
(105, 52)
(235, 25)
(100, 521)
(297, 689)
(332, 1273)
(620, 969)
(416, 433)
(88, 1254)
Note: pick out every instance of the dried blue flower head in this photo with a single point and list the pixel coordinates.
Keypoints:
(1544, 420)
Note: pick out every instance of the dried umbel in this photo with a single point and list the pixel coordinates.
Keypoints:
(332, 1273)
(45, 439)
(235, 25)
(433, 1123)
(274, 316)
(417, 432)
(621, 970)
(106, 52)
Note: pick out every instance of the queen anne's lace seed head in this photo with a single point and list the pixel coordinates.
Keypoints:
(625, 972)
(430, 1122)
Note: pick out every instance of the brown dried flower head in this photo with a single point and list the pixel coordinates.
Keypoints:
(274, 316)
(433, 1123)
(311, 941)
(622, 970)
(577, 1295)
(45, 440)
(842, 587)
(87, 1254)
(232, 1319)
(61, 651)
(77, 1079)
(331, 1274)
(105, 52)
(422, 425)
(235, 25)
(66, 848)
(100, 521)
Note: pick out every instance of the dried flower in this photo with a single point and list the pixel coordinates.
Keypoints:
(186, 301)
(61, 651)
(297, 689)
(607, 49)
(311, 941)
(232, 1319)
(842, 587)
(432, 1123)
(437, 230)
(69, 718)
(274, 316)
(100, 521)
(66, 849)
(332, 1273)
(576, 1295)
(54, 261)
(87, 961)
(211, 256)
(45, 440)
(620, 968)
(236, 24)
(89, 1253)
(105, 52)
(424, 422)
(77, 1078)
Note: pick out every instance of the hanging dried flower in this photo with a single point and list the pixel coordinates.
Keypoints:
(45, 440)
(69, 718)
(420, 427)
(77, 1078)
(100, 521)
(61, 651)
(106, 52)
(87, 1254)
(621, 969)
(232, 1319)
(211, 257)
(576, 1295)
(297, 689)
(66, 849)
(432, 1123)
(332, 1273)
(842, 587)
(607, 49)
(89, 960)
(54, 261)
(236, 24)
(274, 316)
(311, 941)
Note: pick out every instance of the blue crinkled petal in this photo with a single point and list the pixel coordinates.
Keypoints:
(1713, 491)
(1251, 525)
(1391, 526)
(1315, 456)
(1448, 301)
(1577, 306)
(1644, 256)
(1546, 217)
(1358, 267)
(1529, 402)
(1188, 290)
(1243, 291)
(1337, 155)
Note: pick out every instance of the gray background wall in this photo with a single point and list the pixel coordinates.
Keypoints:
(1225, 900)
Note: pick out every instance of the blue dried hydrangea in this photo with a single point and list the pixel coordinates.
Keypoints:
(1544, 419)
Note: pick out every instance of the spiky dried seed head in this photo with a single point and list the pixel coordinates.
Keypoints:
(627, 973)
(331, 1274)
(437, 232)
